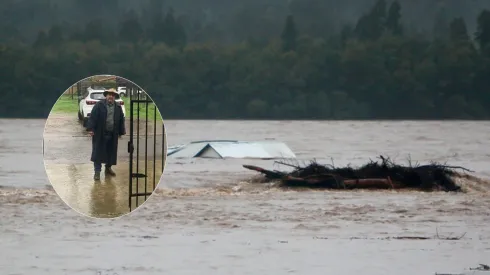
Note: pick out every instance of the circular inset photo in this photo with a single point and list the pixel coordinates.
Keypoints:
(104, 146)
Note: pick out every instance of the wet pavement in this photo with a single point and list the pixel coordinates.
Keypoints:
(66, 152)
(106, 198)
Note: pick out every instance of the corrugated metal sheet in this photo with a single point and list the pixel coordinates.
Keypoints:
(187, 151)
(173, 149)
(233, 149)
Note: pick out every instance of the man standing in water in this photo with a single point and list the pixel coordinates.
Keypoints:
(105, 125)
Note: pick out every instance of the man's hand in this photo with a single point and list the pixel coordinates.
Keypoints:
(91, 133)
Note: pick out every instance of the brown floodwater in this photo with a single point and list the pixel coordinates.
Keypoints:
(213, 217)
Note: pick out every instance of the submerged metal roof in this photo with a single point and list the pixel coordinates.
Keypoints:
(232, 149)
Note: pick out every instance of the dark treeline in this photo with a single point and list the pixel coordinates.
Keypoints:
(298, 59)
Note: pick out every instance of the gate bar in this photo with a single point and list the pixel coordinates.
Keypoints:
(142, 194)
(137, 147)
(129, 90)
(154, 143)
(146, 148)
(142, 101)
(163, 147)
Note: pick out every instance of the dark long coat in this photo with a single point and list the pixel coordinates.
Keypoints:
(97, 123)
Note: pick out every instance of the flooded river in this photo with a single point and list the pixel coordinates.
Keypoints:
(209, 217)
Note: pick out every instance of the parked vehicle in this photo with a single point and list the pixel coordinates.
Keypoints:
(122, 91)
(88, 100)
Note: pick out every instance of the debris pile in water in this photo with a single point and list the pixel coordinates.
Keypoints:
(374, 175)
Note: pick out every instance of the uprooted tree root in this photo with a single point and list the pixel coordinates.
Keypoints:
(382, 174)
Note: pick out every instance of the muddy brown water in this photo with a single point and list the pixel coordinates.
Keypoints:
(209, 217)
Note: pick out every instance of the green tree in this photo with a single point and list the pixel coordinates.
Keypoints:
(55, 35)
(393, 24)
(372, 25)
(458, 31)
(96, 30)
(255, 74)
(173, 34)
(483, 29)
(41, 40)
(156, 21)
(131, 29)
(289, 34)
(441, 25)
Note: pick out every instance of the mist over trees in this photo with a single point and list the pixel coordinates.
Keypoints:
(268, 59)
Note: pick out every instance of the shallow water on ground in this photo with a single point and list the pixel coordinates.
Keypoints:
(108, 197)
(207, 217)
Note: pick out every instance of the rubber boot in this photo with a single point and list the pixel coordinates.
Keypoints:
(109, 171)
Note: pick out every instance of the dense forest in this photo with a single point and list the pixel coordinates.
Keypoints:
(268, 59)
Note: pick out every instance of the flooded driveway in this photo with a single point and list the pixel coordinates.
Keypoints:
(67, 148)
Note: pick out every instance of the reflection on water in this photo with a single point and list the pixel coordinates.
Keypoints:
(106, 198)
(104, 202)
(142, 188)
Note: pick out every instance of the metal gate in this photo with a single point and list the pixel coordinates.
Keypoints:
(145, 129)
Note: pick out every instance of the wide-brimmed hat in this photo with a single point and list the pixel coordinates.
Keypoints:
(112, 90)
